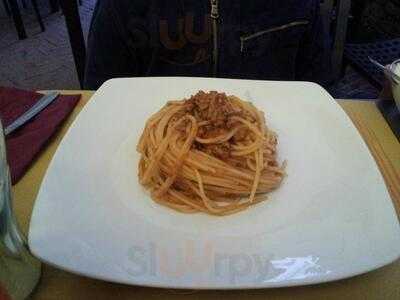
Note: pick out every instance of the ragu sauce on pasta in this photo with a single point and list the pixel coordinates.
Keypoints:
(211, 153)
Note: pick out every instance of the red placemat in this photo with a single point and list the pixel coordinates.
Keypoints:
(25, 143)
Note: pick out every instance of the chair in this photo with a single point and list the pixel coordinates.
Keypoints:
(16, 15)
(75, 33)
(55, 5)
(74, 27)
(12, 9)
(378, 37)
(38, 15)
(340, 9)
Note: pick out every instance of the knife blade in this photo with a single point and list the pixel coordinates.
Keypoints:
(394, 76)
(41, 104)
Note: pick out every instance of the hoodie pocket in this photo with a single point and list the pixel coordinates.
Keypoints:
(273, 38)
(270, 52)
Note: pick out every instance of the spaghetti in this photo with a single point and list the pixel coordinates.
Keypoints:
(211, 153)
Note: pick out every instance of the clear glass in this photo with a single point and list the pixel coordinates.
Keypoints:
(395, 67)
(19, 270)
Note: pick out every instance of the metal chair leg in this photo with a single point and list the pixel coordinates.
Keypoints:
(37, 13)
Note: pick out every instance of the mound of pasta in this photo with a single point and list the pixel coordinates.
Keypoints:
(210, 153)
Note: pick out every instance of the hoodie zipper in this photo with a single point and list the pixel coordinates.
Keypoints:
(245, 38)
(214, 16)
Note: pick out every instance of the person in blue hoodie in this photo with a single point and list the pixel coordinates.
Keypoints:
(253, 39)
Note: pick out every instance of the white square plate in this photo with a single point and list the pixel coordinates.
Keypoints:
(332, 217)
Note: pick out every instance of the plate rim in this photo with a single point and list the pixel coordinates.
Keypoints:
(137, 281)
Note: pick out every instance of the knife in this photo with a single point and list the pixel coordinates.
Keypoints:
(41, 104)
(394, 76)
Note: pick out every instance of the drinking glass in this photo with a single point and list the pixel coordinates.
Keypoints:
(19, 270)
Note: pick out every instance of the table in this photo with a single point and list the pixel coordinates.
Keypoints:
(380, 284)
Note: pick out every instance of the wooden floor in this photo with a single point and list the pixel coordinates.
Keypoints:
(43, 60)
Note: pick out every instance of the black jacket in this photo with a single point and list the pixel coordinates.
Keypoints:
(253, 39)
